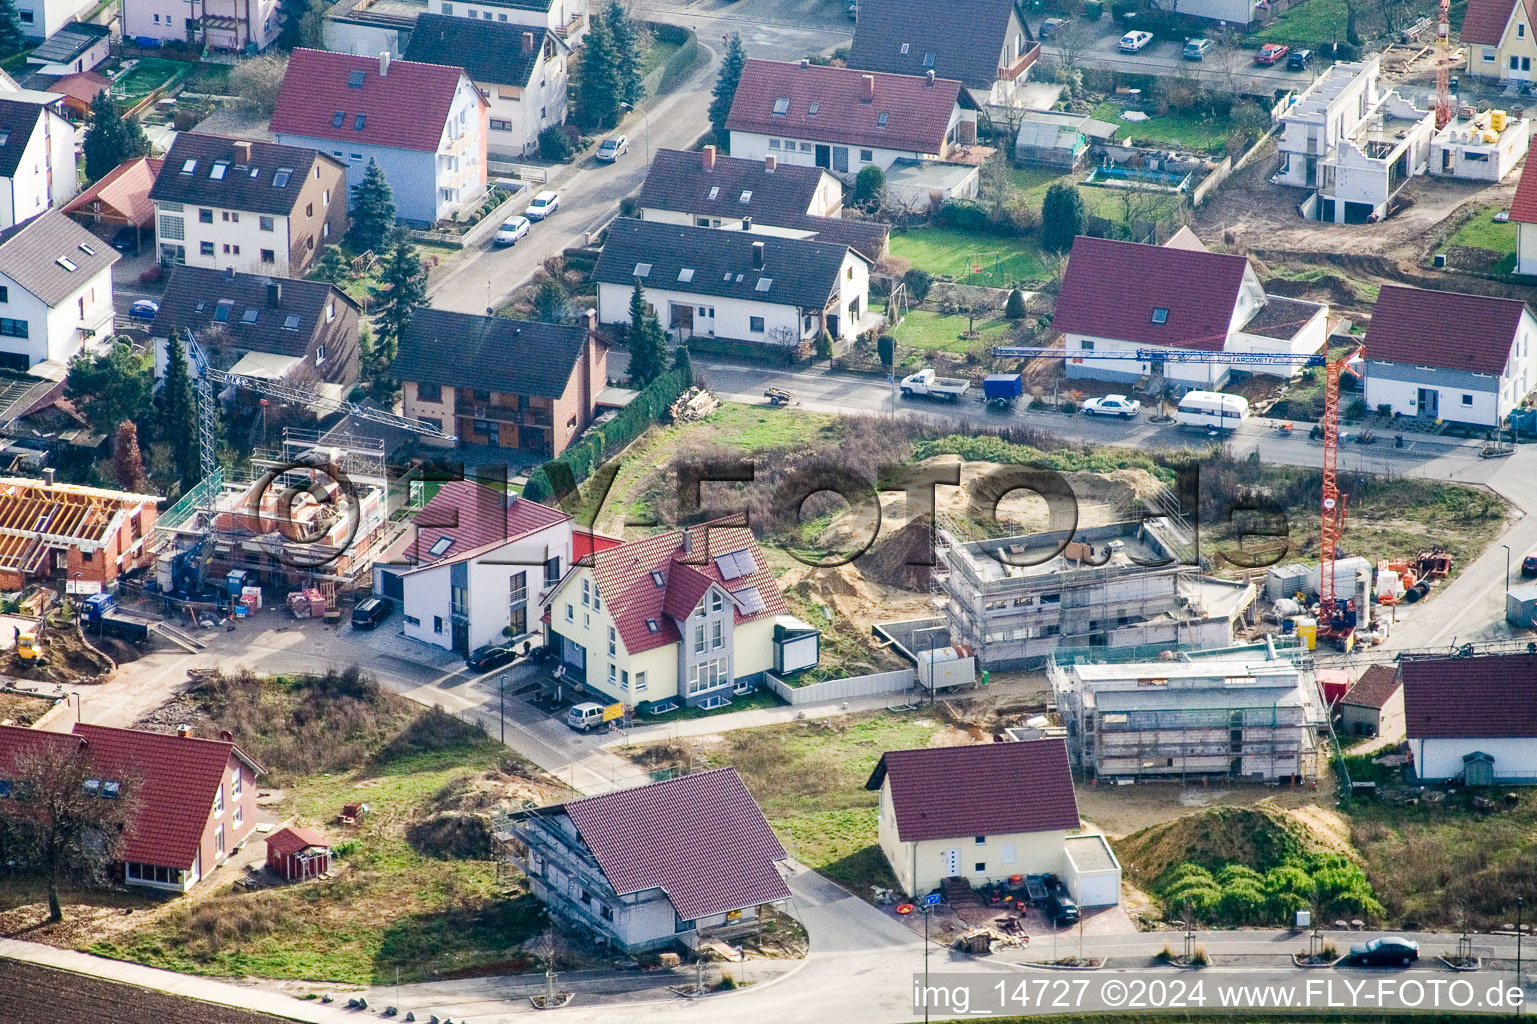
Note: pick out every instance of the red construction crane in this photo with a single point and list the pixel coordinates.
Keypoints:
(1443, 65)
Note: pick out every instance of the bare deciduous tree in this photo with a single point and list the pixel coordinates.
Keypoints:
(68, 831)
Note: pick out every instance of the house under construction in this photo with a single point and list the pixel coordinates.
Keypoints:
(85, 536)
(1016, 600)
(1251, 715)
(316, 510)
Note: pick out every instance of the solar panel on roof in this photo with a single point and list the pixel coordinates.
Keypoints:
(735, 564)
(749, 599)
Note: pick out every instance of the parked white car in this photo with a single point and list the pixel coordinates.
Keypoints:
(612, 149)
(1112, 405)
(1133, 42)
(544, 204)
(511, 231)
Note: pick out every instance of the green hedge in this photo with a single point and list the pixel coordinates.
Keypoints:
(671, 74)
(560, 476)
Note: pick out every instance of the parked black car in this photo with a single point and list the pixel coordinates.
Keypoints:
(484, 659)
(126, 240)
(371, 611)
(1384, 950)
(1060, 907)
(1299, 60)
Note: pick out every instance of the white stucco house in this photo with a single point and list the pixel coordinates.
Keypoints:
(1448, 356)
(1234, 13)
(37, 160)
(424, 124)
(55, 290)
(479, 566)
(1354, 144)
(42, 18)
(244, 26)
(946, 812)
(566, 18)
(1171, 299)
(521, 69)
(734, 285)
(1472, 719)
(845, 120)
(985, 44)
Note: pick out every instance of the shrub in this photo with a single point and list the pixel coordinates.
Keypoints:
(918, 283)
(555, 144)
(451, 836)
(152, 274)
(1121, 8)
(1070, 407)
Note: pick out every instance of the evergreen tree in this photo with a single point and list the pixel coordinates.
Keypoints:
(112, 386)
(725, 86)
(886, 348)
(373, 211)
(331, 266)
(682, 361)
(648, 342)
(292, 13)
(401, 289)
(629, 45)
(598, 88)
(127, 460)
(550, 305)
(1061, 218)
(109, 138)
(870, 188)
(1014, 309)
(179, 410)
(11, 39)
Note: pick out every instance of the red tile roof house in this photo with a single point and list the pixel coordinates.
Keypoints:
(424, 124)
(197, 797)
(845, 120)
(1523, 211)
(480, 566)
(1374, 706)
(645, 868)
(1126, 297)
(686, 617)
(983, 813)
(1499, 40)
(1472, 719)
(1448, 356)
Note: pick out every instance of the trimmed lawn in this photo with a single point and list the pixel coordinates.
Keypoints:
(1483, 233)
(657, 54)
(924, 329)
(1311, 23)
(1184, 131)
(945, 252)
(147, 76)
(1098, 201)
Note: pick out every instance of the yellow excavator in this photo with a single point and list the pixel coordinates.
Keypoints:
(29, 644)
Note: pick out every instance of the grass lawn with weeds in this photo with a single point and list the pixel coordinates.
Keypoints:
(1482, 232)
(809, 778)
(1308, 24)
(925, 329)
(946, 252)
(397, 897)
(1098, 201)
(1183, 131)
(147, 76)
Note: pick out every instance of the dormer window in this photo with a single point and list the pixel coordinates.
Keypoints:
(280, 177)
(357, 122)
(714, 191)
(642, 270)
(216, 172)
(188, 166)
(880, 122)
(928, 59)
(337, 118)
(1160, 315)
(355, 80)
(440, 545)
(658, 578)
(686, 275)
(905, 48)
(782, 106)
(67, 263)
(747, 196)
(811, 111)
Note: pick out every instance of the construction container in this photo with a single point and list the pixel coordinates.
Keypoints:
(1521, 606)
(235, 582)
(1283, 581)
(1307, 631)
(948, 666)
(1333, 683)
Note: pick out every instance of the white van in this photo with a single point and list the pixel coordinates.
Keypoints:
(1211, 410)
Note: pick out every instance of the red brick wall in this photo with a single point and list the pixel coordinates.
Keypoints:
(581, 397)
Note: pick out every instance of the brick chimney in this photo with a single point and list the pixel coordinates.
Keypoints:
(757, 255)
(746, 223)
(928, 78)
(184, 731)
(770, 163)
(868, 93)
(274, 294)
(709, 158)
(226, 736)
(242, 151)
(528, 42)
(384, 63)
(592, 320)
(805, 63)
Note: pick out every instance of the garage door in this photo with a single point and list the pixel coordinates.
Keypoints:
(1101, 889)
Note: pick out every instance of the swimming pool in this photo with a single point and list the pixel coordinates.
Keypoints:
(1111, 176)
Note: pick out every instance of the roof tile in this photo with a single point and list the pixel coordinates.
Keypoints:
(237, 187)
(1450, 330)
(1485, 20)
(407, 107)
(981, 790)
(700, 838)
(1374, 689)
(962, 39)
(519, 357)
(1487, 697)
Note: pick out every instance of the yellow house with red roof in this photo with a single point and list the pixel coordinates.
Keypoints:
(687, 616)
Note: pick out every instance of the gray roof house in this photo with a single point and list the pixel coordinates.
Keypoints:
(55, 291)
(708, 190)
(679, 861)
(741, 286)
(985, 44)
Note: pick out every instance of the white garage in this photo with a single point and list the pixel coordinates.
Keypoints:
(1091, 871)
